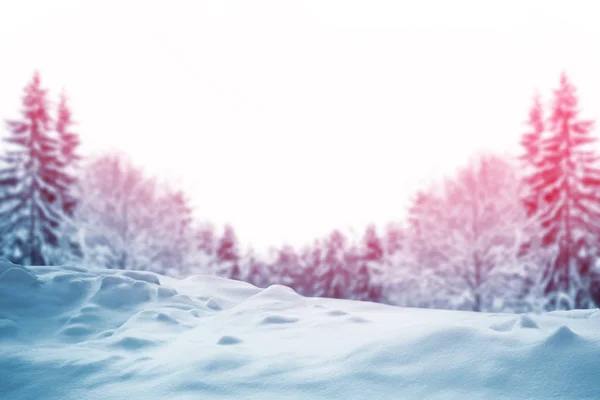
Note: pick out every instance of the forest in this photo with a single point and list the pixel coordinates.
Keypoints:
(501, 234)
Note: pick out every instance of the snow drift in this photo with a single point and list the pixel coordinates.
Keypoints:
(73, 333)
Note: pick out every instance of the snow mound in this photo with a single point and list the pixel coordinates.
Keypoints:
(505, 326)
(18, 276)
(18, 286)
(8, 328)
(280, 293)
(213, 304)
(71, 333)
(142, 276)
(575, 314)
(118, 292)
(563, 336)
(527, 322)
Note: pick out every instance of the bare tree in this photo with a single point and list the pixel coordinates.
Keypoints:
(126, 220)
(467, 235)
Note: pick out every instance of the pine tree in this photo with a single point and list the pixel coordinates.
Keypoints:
(228, 254)
(568, 179)
(69, 157)
(315, 279)
(206, 239)
(32, 181)
(372, 260)
(373, 245)
(204, 248)
(333, 273)
(69, 249)
(288, 267)
(532, 249)
(394, 238)
(255, 271)
(531, 141)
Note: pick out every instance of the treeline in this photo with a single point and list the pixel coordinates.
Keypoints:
(500, 235)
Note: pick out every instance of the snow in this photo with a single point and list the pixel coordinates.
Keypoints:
(72, 333)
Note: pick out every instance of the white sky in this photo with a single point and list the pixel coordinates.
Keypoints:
(291, 118)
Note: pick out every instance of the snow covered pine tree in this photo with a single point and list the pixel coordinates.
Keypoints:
(32, 180)
(531, 142)
(68, 249)
(566, 181)
(367, 280)
(228, 255)
(69, 143)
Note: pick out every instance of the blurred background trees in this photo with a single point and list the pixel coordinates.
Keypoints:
(501, 234)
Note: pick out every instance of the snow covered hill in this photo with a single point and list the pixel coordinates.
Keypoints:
(72, 333)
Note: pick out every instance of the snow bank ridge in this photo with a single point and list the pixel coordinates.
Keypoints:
(121, 333)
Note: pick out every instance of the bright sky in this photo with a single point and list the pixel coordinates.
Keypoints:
(288, 119)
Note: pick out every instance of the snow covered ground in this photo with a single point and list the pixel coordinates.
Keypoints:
(70, 333)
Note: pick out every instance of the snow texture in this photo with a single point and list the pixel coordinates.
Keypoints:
(72, 333)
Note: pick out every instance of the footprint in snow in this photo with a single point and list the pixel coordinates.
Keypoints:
(76, 330)
(337, 313)
(359, 320)
(278, 319)
(228, 340)
(134, 343)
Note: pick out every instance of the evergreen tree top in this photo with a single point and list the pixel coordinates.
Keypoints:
(69, 140)
(567, 131)
(64, 114)
(530, 140)
(35, 112)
